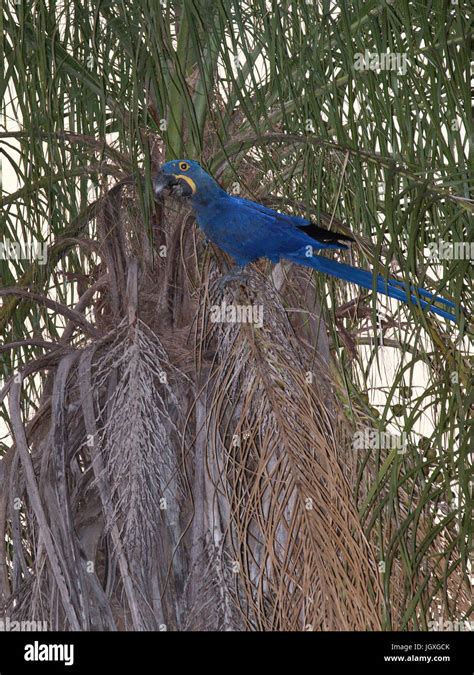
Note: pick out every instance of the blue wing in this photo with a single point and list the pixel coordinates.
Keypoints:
(326, 238)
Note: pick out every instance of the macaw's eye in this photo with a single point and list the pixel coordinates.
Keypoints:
(184, 166)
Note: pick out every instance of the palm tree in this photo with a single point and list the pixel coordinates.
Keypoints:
(164, 470)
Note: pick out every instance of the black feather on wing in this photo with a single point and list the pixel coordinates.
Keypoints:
(314, 231)
(325, 236)
(329, 237)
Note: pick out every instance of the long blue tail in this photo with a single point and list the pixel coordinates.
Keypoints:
(391, 287)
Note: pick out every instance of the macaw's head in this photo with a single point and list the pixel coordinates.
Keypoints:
(184, 178)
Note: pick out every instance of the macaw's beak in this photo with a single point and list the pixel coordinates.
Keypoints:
(170, 184)
(163, 182)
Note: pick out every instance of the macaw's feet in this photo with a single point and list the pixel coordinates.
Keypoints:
(236, 274)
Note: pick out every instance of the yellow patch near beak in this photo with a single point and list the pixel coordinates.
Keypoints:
(188, 180)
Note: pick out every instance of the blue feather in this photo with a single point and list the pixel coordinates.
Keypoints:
(390, 287)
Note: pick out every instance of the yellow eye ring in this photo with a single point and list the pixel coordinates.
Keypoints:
(184, 166)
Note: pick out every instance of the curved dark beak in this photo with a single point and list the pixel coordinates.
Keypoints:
(163, 183)
(168, 183)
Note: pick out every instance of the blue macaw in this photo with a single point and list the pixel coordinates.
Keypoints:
(248, 231)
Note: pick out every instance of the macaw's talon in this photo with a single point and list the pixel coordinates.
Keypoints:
(236, 274)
